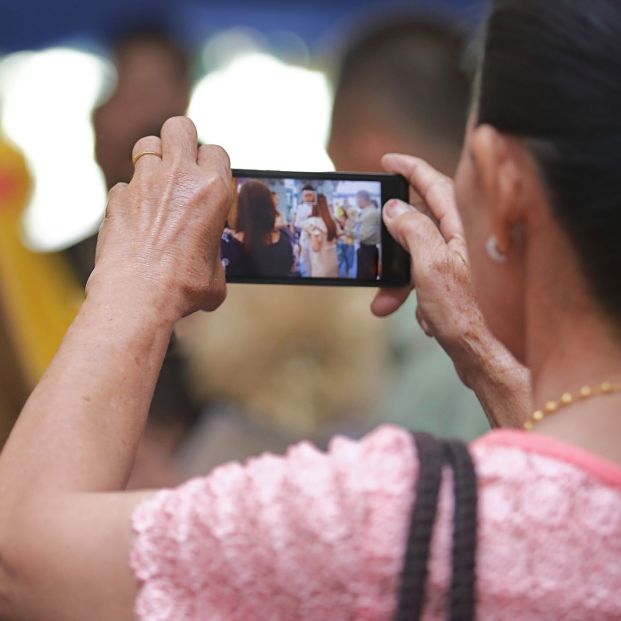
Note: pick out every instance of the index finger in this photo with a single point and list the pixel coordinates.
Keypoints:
(179, 140)
(435, 188)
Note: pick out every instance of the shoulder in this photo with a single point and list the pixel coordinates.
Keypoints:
(279, 519)
(528, 452)
(545, 505)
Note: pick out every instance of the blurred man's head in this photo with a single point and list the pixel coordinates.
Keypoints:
(153, 84)
(401, 88)
(309, 195)
(363, 199)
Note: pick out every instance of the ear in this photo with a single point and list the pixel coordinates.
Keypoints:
(499, 164)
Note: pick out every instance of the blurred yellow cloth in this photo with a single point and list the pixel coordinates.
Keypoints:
(38, 293)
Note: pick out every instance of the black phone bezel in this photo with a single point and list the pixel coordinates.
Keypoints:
(393, 186)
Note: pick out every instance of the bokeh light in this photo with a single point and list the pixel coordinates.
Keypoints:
(266, 113)
(47, 101)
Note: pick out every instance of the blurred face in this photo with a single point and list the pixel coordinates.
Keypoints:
(362, 200)
(309, 197)
(151, 88)
(499, 288)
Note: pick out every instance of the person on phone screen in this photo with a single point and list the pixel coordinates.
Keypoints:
(346, 246)
(370, 237)
(322, 231)
(300, 213)
(257, 247)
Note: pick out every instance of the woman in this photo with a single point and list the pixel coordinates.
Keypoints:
(529, 231)
(346, 246)
(322, 232)
(258, 247)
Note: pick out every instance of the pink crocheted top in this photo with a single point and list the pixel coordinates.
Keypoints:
(317, 537)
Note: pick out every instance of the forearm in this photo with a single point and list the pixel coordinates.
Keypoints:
(501, 384)
(80, 428)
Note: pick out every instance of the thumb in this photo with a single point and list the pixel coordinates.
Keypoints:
(409, 227)
(388, 301)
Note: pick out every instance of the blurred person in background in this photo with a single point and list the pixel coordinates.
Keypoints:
(281, 364)
(153, 83)
(401, 84)
(323, 232)
(401, 87)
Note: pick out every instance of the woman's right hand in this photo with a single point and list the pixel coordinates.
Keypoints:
(447, 309)
(433, 235)
(160, 240)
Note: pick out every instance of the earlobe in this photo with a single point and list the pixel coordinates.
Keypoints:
(493, 252)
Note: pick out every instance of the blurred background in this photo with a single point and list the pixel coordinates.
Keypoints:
(308, 85)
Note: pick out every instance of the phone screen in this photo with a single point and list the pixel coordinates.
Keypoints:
(312, 228)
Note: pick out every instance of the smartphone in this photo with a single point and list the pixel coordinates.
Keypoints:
(313, 229)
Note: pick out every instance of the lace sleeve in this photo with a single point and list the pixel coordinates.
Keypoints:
(307, 536)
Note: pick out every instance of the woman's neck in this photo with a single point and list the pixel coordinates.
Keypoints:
(567, 353)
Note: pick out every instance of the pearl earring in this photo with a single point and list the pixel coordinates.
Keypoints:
(493, 252)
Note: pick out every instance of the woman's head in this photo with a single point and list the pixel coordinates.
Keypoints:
(256, 214)
(541, 167)
(322, 210)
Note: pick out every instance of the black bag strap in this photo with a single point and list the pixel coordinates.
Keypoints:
(433, 454)
(463, 578)
(415, 567)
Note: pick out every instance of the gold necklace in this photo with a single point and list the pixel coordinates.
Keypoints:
(568, 398)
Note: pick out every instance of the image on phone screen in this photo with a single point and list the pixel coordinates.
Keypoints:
(327, 229)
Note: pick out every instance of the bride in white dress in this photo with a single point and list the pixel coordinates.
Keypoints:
(323, 232)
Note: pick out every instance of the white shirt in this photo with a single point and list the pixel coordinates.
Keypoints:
(301, 213)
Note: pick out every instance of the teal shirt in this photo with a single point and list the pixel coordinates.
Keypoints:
(424, 392)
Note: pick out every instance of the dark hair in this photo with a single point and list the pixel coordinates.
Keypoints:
(410, 70)
(551, 75)
(308, 188)
(256, 215)
(322, 210)
(155, 35)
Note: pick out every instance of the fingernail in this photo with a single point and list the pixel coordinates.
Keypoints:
(395, 208)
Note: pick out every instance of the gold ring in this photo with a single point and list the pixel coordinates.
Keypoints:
(143, 153)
